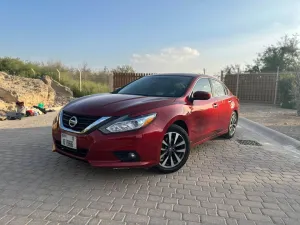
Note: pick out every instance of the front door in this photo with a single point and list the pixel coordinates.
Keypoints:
(203, 113)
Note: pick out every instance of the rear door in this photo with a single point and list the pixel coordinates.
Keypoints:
(204, 115)
(223, 104)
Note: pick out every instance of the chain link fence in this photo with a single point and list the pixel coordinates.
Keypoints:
(278, 88)
(83, 82)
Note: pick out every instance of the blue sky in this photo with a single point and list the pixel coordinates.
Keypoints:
(153, 36)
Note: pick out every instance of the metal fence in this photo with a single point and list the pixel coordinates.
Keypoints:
(256, 87)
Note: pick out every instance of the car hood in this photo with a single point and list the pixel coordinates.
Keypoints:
(115, 104)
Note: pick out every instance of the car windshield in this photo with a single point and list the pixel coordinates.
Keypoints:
(158, 86)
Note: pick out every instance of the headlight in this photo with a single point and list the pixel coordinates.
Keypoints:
(131, 123)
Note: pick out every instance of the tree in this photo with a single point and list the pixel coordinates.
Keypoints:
(123, 69)
(232, 69)
(106, 70)
(253, 68)
(85, 68)
(297, 90)
(285, 55)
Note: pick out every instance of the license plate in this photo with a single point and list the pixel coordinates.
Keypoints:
(68, 141)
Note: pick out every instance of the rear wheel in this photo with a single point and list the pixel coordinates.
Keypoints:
(232, 125)
(175, 150)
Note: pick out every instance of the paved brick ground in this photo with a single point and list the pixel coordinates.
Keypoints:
(223, 183)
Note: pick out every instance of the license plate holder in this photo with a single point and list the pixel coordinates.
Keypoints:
(69, 141)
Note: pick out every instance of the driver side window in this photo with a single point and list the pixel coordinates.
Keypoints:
(202, 85)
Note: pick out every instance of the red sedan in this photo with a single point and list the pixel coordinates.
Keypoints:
(151, 122)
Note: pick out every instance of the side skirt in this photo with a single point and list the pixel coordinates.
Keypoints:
(215, 135)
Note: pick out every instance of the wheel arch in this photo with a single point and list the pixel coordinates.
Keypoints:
(179, 121)
(182, 124)
(237, 113)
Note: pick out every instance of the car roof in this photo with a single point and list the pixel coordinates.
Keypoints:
(183, 74)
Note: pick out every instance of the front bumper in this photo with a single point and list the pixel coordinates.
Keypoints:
(112, 150)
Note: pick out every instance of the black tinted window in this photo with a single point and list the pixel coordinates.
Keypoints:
(218, 88)
(202, 85)
(161, 86)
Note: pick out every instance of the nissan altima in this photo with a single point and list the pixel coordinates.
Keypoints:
(151, 122)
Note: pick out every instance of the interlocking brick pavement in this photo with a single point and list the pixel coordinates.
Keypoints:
(222, 183)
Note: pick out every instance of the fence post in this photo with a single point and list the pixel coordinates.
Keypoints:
(297, 91)
(58, 75)
(33, 71)
(111, 82)
(79, 79)
(222, 76)
(237, 83)
(276, 85)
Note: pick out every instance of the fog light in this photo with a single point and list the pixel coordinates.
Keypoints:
(132, 155)
(127, 156)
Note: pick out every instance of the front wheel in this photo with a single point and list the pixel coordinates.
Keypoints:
(175, 150)
(232, 125)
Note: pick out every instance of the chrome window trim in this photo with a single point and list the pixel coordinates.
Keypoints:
(92, 125)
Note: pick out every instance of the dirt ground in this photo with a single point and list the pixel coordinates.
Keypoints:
(282, 120)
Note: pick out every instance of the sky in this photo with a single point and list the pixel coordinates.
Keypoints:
(152, 36)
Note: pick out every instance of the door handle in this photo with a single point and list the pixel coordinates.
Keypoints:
(215, 105)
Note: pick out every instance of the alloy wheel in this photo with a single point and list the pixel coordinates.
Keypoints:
(173, 150)
(233, 124)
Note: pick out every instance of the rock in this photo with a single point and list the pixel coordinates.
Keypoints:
(61, 90)
(2, 112)
(5, 106)
(31, 91)
(63, 93)
(47, 80)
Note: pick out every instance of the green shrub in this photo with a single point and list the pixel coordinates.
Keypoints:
(87, 87)
(92, 84)
(285, 88)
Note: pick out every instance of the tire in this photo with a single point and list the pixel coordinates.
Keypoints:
(172, 154)
(232, 126)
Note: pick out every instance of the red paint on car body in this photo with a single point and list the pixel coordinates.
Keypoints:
(203, 120)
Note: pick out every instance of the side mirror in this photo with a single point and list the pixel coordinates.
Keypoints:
(201, 95)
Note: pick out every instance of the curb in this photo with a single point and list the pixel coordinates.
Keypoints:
(280, 138)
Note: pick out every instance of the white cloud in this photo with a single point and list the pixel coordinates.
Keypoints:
(166, 60)
(176, 55)
(212, 56)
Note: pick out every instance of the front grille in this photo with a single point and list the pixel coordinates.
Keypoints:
(82, 121)
(76, 152)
